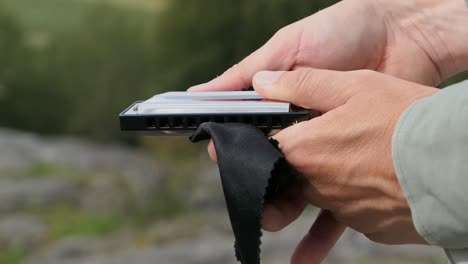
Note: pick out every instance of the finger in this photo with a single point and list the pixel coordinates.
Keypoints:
(320, 239)
(279, 53)
(307, 147)
(291, 139)
(321, 90)
(212, 151)
(280, 213)
(410, 236)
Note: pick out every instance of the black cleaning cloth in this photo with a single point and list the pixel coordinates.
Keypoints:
(253, 171)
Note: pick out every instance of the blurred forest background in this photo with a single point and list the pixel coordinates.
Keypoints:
(73, 186)
(67, 67)
(75, 64)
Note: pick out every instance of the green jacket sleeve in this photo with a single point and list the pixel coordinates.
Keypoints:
(430, 152)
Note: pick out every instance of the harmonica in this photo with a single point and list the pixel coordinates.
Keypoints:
(180, 113)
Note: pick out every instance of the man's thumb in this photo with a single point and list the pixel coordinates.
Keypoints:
(315, 89)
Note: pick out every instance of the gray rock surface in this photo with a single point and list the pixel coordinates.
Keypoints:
(64, 251)
(117, 178)
(17, 194)
(105, 193)
(214, 246)
(20, 150)
(207, 193)
(22, 231)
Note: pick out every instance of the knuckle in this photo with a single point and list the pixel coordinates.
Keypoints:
(302, 75)
(297, 160)
(236, 68)
(283, 32)
(239, 71)
(302, 85)
(232, 70)
(359, 80)
(363, 76)
(293, 143)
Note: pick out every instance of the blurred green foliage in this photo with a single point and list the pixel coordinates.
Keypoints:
(66, 220)
(71, 67)
(202, 38)
(76, 80)
(12, 256)
(455, 79)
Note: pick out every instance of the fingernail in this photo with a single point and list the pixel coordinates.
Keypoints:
(267, 78)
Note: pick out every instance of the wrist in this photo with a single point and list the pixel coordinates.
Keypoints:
(439, 28)
(447, 29)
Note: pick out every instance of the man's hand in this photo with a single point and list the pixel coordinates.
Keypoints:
(345, 154)
(423, 41)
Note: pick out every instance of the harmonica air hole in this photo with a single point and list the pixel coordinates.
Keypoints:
(178, 122)
(276, 122)
(262, 121)
(182, 113)
(191, 122)
(151, 123)
(247, 120)
(164, 122)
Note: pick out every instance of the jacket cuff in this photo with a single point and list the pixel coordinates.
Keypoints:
(430, 154)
